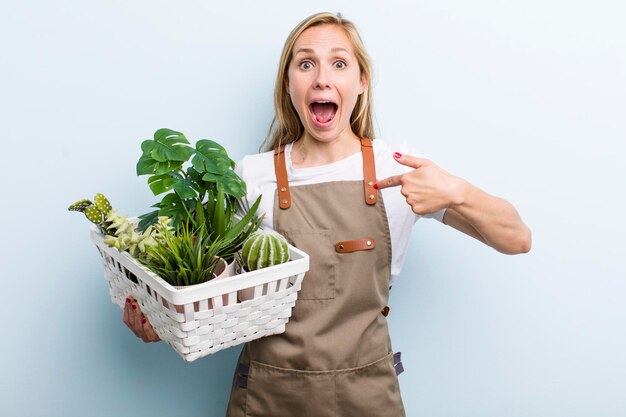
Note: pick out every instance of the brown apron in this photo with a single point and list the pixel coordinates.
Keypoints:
(335, 357)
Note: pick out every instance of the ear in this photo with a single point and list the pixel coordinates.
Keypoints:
(362, 84)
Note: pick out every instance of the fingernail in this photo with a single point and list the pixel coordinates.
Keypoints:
(143, 321)
(128, 300)
(376, 186)
(397, 154)
(134, 306)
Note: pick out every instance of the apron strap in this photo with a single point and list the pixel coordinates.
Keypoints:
(397, 363)
(369, 171)
(282, 182)
(243, 369)
(369, 174)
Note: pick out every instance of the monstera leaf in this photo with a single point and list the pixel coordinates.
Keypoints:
(229, 181)
(166, 152)
(211, 157)
(168, 145)
(185, 187)
(148, 165)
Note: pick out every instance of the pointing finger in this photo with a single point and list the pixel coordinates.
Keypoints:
(408, 160)
(388, 182)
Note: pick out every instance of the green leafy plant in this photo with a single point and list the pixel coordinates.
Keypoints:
(196, 221)
(183, 256)
(206, 192)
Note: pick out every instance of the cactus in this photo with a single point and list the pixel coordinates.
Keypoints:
(102, 203)
(102, 215)
(264, 248)
(96, 213)
(117, 230)
(80, 205)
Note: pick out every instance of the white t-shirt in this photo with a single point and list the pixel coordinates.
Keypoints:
(258, 173)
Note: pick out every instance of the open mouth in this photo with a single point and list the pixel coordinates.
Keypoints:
(323, 111)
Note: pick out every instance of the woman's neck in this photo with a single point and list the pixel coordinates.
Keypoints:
(310, 152)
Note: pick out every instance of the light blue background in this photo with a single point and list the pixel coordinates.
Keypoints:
(526, 100)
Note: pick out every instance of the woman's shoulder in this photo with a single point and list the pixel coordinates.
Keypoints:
(383, 154)
(258, 158)
(387, 148)
(253, 165)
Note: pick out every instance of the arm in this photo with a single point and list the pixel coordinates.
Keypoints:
(492, 220)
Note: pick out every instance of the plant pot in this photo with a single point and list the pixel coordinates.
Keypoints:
(231, 268)
(248, 293)
(222, 270)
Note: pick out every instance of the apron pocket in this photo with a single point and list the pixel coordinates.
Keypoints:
(370, 391)
(319, 281)
(279, 392)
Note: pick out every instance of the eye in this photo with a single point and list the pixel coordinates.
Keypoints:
(340, 64)
(306, 65)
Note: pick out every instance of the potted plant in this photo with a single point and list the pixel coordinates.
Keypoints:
(203, 195)
(169, 259)
(262, 249)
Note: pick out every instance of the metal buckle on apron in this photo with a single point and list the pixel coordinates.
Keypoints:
(397, 363)
(242, 374)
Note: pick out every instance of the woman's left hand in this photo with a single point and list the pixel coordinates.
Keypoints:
(492, 220)
(428, 188)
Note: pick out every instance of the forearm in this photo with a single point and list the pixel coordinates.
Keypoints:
(495, 220)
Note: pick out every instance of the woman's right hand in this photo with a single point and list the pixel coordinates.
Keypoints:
(137, 322)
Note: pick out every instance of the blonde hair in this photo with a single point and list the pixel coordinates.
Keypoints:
(286, 126)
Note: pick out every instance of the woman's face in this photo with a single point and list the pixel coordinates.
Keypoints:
(324, 81)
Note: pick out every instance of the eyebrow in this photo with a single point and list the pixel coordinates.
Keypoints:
(310, 51)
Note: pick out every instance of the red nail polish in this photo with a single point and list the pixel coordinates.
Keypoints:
(134, 306)
(376, 186)
(128, 300)
(397, 154)
(144, 321)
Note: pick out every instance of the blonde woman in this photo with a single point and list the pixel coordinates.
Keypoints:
(350, 202)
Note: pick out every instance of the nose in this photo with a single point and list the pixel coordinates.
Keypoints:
(322, 80)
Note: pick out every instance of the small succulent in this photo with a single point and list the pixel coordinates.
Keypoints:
(96, 213)
(118, 231)
(127, 238)
(117, 224)
(264, 248)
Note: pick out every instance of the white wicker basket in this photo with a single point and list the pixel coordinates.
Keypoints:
(202, 319)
